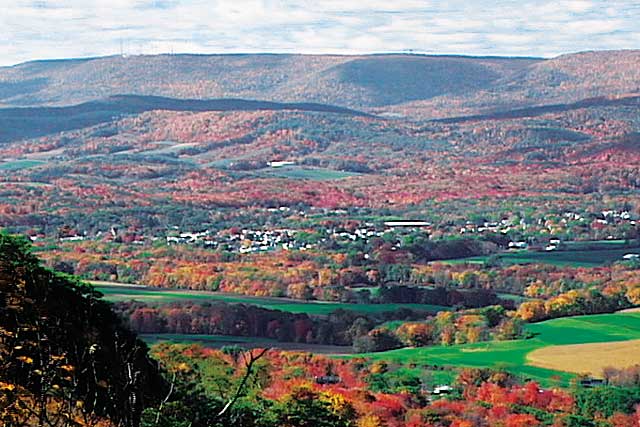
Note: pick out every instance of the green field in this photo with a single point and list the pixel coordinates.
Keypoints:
(512, 355)
(297, 172)
(596, 244)
(122, 293)
(166, 147)
(572, 258)
(20, 164)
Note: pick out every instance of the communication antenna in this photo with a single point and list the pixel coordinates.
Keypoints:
(123, 53)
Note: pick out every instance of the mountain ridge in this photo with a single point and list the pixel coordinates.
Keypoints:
(30, 122)
(360, 81)
(412, 85)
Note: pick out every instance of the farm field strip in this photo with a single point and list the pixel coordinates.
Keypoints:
(310, 173)
(572, 258)
(116, 293)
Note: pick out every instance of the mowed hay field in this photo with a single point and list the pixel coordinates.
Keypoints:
(587, 358)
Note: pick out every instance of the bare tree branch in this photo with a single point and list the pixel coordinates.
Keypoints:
(166, 399)
(249, 359)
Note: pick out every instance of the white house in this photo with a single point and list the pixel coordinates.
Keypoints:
(442, 389)
(518, 245)
(279, 164)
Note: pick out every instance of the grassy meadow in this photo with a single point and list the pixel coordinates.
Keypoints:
(19, 164)
(310, 173)
(558, 349)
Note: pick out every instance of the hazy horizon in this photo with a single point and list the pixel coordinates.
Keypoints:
(266, 53)
(59, 29)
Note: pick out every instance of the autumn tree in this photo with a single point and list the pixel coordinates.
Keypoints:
(65, 358)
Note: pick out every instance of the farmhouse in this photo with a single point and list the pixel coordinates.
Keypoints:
(518, 245)
(279, 164)
(75, 238)
(442, 389)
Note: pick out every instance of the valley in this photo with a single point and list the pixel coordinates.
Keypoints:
(260, 240)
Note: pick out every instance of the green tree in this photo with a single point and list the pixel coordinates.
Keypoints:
(304, 407)
(606, 401)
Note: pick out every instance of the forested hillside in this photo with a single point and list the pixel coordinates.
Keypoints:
(433, 225)
(417, 85)
(352, 81)
(66, 358)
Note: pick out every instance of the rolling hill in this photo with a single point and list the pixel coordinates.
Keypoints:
(415, 85)
(146, 131)
(352, 81)
(23, 123)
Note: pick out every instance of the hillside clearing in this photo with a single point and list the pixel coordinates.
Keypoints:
(20, 164)
(313, 174)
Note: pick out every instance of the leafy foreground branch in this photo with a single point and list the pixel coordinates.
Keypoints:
(65, 357)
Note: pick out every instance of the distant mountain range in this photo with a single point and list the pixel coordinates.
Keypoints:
(409, 85)
(377, 131)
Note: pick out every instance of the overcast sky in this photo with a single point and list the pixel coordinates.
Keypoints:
(39, 29)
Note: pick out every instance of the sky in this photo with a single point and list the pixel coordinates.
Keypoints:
(45, 29)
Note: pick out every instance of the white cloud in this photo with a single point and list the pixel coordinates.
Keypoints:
(579, 6)
(595, 26)
(36, 29)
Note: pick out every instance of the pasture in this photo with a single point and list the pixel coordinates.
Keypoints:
(117, 293)
(513, 355)
(19, 164)
(309, 173)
